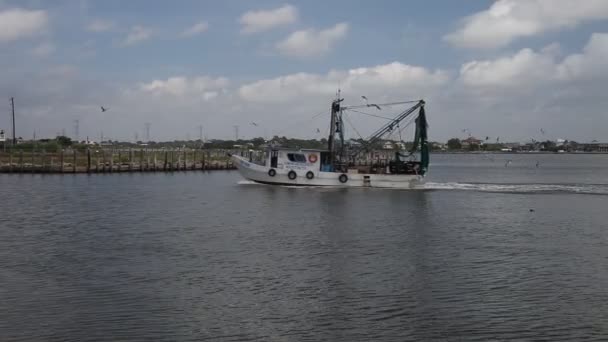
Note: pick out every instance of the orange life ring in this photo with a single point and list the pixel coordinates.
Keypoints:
(312, 158)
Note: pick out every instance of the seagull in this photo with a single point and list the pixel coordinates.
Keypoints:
(370, 104)
(537, 164)
(255, 124)
(542, 131)
(508, 162)
(318, 130)
(104, 109)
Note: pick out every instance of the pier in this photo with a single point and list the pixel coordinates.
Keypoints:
(114, 160)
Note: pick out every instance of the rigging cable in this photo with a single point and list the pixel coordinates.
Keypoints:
(376, 116)
(353, 127)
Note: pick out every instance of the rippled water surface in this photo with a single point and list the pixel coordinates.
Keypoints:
(487, 250)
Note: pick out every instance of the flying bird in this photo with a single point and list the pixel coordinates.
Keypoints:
(255, 124)
(365, 98)
(318, 130)
(374, 105)
(542, 131)
(104, 109)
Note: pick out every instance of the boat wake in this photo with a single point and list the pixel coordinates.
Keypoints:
(592, 189)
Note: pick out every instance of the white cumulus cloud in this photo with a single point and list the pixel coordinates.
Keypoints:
(100, 25)
(195, 29)
(312, 42)
(20, 23)
(507, 20)
(205, 86)
(393, 78)
(264, 20)
(528, 68)
(137, 34)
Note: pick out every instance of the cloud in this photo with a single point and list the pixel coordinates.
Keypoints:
(264, 20)
(44, 49)
(590, 64)
(137, 34)
(181, 86)
(528, 68)
(100, 25)
(378, 80)
(510, 96)
(311, 42)
(196, 29)
(507, 20)
(20, 23)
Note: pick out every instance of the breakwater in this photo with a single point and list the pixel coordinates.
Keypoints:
(114, 160)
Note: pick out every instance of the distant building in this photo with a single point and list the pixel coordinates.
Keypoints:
(388, 145)
(595, 147)
(2, 136)
(470, 142)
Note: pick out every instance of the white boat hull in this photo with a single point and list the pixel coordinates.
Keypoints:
(260, 174)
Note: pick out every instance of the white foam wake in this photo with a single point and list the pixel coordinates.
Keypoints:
(599, 189)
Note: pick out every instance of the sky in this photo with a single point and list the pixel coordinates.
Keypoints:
(510, 69)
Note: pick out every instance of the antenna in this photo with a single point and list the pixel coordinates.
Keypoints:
(147, 130)
(76, 130)
(13, 108)
(200, 132)
(236, 132)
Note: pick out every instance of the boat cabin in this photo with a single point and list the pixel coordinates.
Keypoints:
(303, 159)
(319, 160)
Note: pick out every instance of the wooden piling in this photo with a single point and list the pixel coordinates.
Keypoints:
(61, 161)
(130, 159)
(111, 160)
(74, 161)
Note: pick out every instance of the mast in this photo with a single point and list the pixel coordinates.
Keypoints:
(334, 127)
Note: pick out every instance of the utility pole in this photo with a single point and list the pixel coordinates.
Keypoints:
(236, 132)
(200, 133)
(13, 107)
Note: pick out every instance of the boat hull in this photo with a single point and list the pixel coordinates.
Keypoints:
(260, 174)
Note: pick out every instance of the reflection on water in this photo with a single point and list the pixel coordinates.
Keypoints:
(193, 256)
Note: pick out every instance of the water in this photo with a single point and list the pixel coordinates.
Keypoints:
(196, 256)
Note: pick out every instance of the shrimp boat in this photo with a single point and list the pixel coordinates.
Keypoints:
(340, 165)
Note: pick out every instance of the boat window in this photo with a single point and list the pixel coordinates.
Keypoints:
(296, 157)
